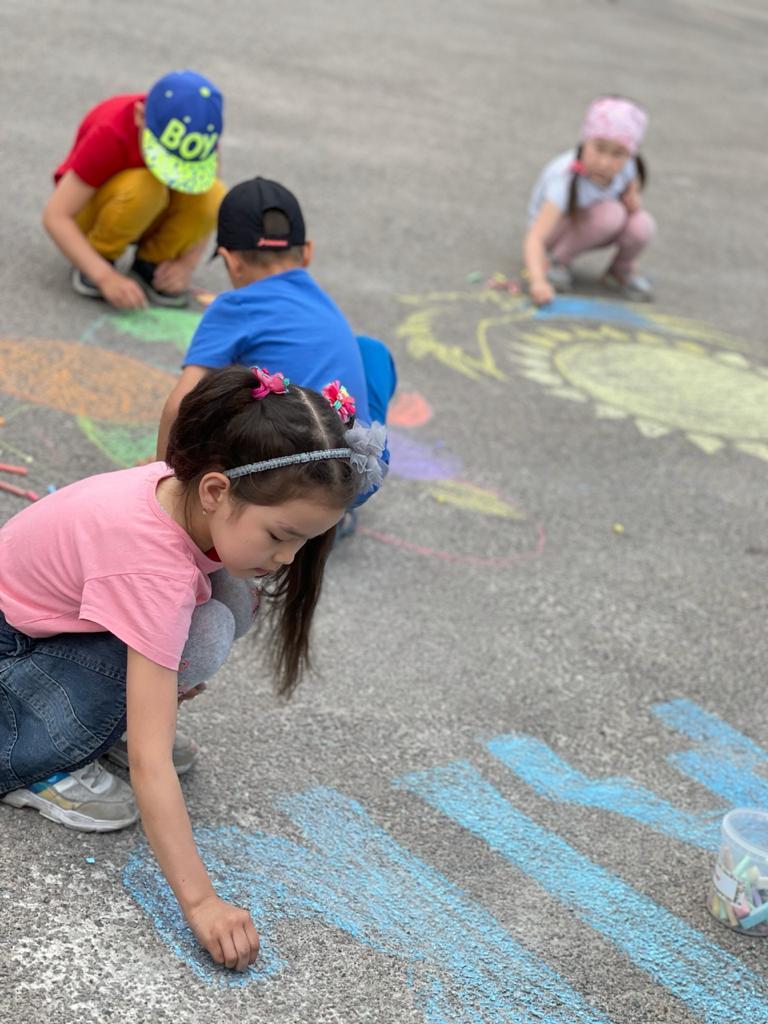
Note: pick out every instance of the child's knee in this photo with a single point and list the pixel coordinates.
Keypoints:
(641, 227)
(211, 635)
(138, 192)
(239, 597)
(611, 216)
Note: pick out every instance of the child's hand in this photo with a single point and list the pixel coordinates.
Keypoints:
(541, 292)
(632, 196)
(192, 692)
(172, 276)
(122, 292)
(226, 931)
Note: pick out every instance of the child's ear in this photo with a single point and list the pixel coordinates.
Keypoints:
(138, 114)
(309, 252)
(231, 259)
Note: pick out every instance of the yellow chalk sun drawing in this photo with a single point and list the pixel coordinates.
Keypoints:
(667, 374)
(714, 397)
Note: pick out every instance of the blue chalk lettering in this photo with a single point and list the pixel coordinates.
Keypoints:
(552, 777)
(463, 967)
(669, 950)
(723, 760)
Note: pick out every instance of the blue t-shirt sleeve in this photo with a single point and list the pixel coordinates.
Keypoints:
(216, 341)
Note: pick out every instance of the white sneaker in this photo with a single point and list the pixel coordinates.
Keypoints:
(90, 799)
(635, 289)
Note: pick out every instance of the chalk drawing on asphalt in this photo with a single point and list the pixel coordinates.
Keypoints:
(666, 374)
(349, 874)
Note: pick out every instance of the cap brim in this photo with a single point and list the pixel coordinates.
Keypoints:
(189, 176)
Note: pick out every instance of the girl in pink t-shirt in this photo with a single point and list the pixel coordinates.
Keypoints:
(107, 609)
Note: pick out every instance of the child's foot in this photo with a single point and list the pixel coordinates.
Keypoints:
(143, 271)
(90, 799)
(559, 276)
(634, 289)
(184, 753)
(84, 285)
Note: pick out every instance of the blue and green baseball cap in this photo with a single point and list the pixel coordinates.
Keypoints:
(182, 124)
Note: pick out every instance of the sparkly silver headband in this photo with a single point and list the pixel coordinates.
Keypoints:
(366, 450)
(289, 460)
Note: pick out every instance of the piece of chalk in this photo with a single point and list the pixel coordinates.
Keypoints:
(742, 866)
(732, 919)
(741, 909)
(726, 857)
(474, 277)
(90, 860)
(12, 489)
(755, 918)
(8, 468)
(618, 528)
(714, 904)
(757, 900)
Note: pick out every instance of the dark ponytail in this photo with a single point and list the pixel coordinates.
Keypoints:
(220, 426)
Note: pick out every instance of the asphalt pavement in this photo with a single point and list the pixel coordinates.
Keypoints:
(540, 664)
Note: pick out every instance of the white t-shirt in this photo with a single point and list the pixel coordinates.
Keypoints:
(554, 184)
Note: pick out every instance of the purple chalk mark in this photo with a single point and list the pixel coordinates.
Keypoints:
(419, 460)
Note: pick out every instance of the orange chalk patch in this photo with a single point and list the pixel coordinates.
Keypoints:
(409, 409)
(83, 380)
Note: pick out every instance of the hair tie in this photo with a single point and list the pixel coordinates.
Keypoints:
(577, 167)
(340, 400)
(269, 383)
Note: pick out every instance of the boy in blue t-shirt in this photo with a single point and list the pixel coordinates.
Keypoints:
(277, 316)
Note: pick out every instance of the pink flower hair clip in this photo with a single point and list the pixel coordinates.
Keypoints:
(269, 383)
(340, 399)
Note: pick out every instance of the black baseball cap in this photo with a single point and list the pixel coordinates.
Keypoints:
(242, 217)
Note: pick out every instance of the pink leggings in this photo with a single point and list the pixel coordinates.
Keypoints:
(607, 223)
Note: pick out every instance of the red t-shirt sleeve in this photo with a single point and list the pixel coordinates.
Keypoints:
(99, 156)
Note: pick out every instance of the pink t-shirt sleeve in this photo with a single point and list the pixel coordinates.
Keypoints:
(149, 612)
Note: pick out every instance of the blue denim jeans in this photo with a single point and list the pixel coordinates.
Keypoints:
(62, 702)
(62, 698)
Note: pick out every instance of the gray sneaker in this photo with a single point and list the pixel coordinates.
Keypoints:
(184, 753)
(635, 289)
(83, 285)
(560, 277)
(143, 273)
(90, 799)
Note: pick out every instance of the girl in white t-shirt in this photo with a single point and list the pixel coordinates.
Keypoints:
(589, 198)
(106, 606)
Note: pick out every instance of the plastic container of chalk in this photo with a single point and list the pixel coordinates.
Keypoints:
(738, 892)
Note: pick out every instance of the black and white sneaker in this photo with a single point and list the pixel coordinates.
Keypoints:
(84, 285)
(143, 272)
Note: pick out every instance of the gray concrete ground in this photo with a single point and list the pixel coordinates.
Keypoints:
(627, 568)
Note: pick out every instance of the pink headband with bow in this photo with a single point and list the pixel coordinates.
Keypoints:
(617, 119)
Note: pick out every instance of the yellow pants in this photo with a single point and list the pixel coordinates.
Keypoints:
(133, 206)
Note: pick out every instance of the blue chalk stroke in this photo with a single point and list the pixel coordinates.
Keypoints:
(552, 777)
(591, 309)
(711, 982)
(723, 760)
(464, 968)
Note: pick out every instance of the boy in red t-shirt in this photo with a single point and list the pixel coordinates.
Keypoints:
(142, 170)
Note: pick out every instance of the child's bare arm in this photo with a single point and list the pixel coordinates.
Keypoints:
(68, 198)
(632, 196)
(226, 931)
(190, 377)
(535, 253)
